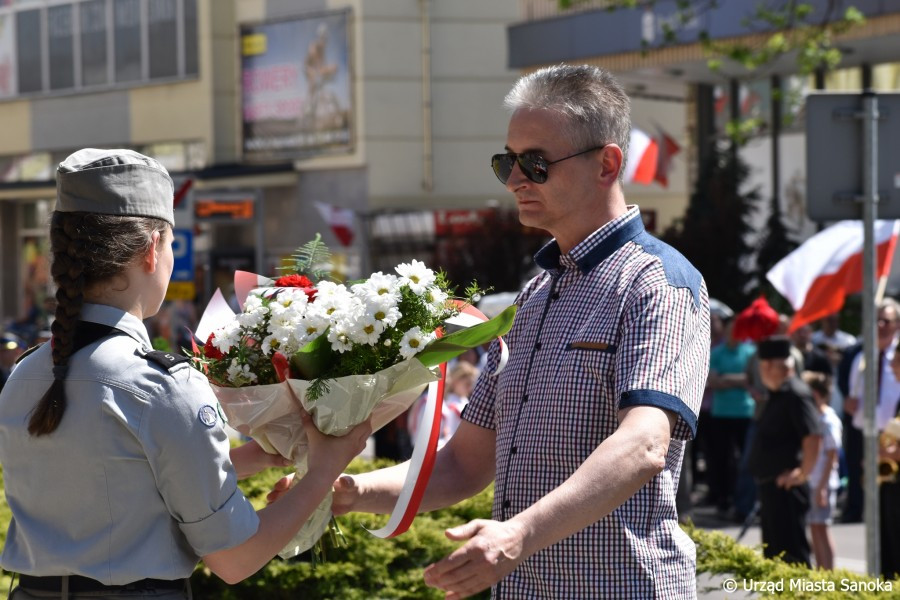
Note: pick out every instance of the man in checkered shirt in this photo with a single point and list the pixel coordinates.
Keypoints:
(583, 432)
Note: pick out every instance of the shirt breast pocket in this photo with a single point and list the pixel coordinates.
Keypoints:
(592, 362)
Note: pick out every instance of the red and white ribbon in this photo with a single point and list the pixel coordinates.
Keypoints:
(429, 431)
(420, 465)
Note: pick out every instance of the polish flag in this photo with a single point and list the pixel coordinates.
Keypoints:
(816, 277)
(668, 148)
(643, 154)
(339, 219)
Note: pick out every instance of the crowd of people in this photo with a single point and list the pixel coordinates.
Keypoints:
(796, 463)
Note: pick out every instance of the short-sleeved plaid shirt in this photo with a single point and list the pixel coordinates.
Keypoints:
(622, 320)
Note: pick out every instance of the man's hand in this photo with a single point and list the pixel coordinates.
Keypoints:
(791, 478)
(851, 405)
(345, 493)
(494, 549)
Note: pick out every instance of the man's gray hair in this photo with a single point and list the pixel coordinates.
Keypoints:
(888, 302)
(592, 101)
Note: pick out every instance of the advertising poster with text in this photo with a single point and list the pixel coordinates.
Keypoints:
(296, 88)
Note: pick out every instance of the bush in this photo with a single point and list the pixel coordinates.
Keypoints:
(718, 553)
(368, 567)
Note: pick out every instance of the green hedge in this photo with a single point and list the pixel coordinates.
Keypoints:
(368, 567)
(720, 554)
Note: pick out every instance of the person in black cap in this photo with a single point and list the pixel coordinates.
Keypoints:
(784, 452)
(117, 468)
(11, 348)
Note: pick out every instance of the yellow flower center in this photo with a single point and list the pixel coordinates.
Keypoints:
(413, 343)
(379, 316)
(369, 329)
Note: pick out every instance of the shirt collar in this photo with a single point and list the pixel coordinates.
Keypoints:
(118, 318)
(596, 247)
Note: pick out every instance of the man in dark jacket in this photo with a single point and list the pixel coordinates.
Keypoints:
(784, 453)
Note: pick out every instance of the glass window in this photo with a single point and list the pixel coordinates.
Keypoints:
(93, 42)
(844, 80)
(190, 37)
(886, 77)
(28, 50)
(163, 29)
(127, 16)
(62, 64)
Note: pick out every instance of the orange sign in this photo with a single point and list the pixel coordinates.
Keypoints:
(224, 209)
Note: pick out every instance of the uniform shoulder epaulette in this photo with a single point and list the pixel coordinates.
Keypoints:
(167, 360)
(29, 351)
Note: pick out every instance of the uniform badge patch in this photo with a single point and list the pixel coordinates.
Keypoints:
(208, 415)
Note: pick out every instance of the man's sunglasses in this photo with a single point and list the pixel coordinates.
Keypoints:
(533, 165)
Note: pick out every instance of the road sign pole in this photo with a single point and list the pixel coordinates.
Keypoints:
(870, 338)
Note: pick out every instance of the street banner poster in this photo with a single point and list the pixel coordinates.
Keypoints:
(296, 88)
(8, 73)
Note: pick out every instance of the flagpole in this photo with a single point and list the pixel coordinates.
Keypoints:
(870, 339)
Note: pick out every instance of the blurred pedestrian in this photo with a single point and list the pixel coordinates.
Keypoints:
(11, 348)
(784, 452)
(823, 480)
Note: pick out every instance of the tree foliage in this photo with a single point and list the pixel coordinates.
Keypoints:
(785, 27)
(714, 232)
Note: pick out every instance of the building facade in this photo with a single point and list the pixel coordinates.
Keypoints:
(369, 122)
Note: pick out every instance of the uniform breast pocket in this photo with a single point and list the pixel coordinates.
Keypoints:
(590, 361)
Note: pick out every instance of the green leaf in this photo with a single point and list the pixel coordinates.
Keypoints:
(450, 346)
(314, 358)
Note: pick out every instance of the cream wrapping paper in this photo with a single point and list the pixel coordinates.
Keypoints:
(271, 415)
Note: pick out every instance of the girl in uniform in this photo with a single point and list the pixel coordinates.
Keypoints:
(116, 465)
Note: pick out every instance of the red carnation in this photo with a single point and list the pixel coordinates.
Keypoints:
(210, 351)
(298, 281)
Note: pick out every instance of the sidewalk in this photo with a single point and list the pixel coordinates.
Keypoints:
(849, 541)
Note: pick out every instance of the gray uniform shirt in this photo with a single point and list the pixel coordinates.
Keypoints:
(136, 482)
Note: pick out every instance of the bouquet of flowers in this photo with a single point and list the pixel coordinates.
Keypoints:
(342, 353)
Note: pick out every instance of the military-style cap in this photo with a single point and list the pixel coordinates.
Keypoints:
(115, 182)
(776, 346)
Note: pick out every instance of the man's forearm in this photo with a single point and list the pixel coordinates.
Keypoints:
(612, 474)
(462, 468)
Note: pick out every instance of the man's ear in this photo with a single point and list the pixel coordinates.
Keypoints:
(611, 162)
(151, 258)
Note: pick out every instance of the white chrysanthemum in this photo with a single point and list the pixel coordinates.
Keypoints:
(436, 299)
(253, 301)
(340, 339)
(413, 342)
(311, 326)
(227, 337)
(240, 374)
(366, 330)
(254, 314)
(378, 286)
(294, 298)
(332, 298)
(382, 309)
(416, 275)
(270, 344)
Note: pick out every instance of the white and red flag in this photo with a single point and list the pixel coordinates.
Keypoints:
(340, 220)
(668, 148)
(643, 156)
(816, 277)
